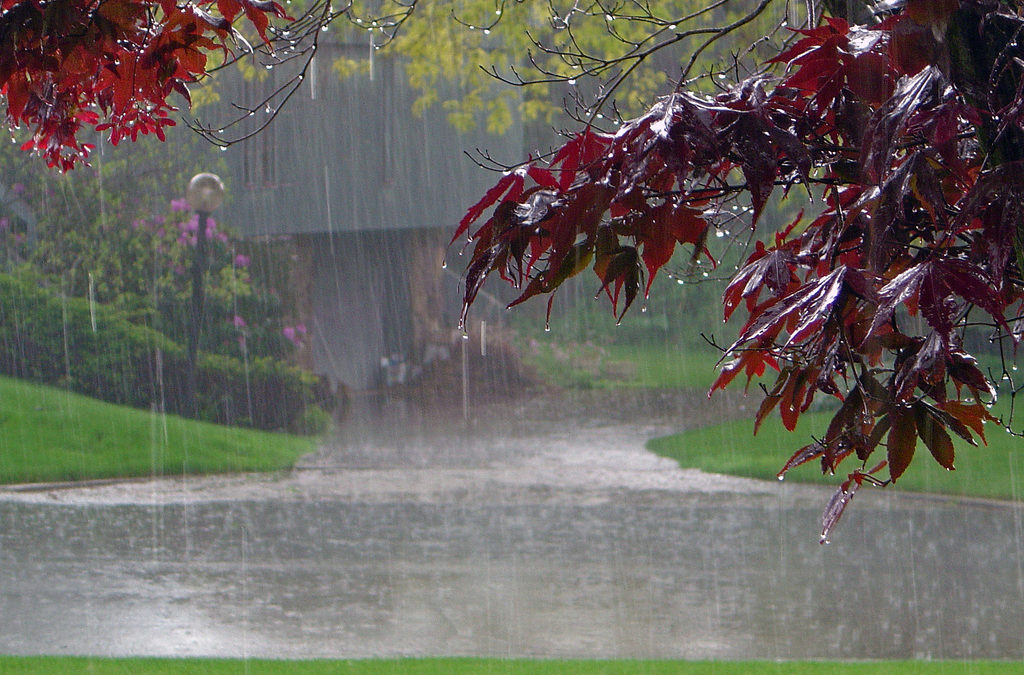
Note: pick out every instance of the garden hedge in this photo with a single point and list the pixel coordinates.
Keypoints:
(97, 351)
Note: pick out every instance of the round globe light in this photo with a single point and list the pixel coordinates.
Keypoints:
(205, 192)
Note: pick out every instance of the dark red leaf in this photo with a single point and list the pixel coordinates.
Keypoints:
(931, 430)
(750, 361)
(963, 370)
(835, 508)
(764, 269)
(809, 307)
(543, 177)
(973, 415)
(931, 286)
(510, 186)
(619, 269)
(901, 441)
(886, 125)
(805, 454)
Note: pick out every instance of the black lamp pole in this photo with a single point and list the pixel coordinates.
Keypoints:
(205, 193)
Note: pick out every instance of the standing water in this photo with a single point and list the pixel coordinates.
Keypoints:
(412, 533)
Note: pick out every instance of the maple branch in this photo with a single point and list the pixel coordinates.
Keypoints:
(592, 65)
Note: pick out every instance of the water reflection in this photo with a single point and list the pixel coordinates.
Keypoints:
(490, 563)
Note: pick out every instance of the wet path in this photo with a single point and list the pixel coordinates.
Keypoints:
(418, 535)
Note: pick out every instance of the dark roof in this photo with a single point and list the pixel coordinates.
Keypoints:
(350, 155)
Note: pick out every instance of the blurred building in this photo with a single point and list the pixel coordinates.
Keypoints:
(369, 195)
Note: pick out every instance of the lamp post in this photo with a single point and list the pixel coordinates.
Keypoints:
(205, 194)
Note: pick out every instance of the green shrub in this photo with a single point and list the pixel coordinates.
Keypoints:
(96, 351)
(313, 421)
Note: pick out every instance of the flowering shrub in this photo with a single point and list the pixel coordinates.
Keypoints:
(146, 269)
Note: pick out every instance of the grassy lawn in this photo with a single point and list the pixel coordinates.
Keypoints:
(49, 434)
(995, 470)
(592, 365)
(43, 665)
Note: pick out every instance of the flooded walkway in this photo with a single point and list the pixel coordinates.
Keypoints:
(532, 529)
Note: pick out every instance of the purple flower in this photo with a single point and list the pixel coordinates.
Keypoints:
(242, 260)
(238, 321)
(4, 223)
(293, 334)
(300, 328)
(179, 204)
(18, 189)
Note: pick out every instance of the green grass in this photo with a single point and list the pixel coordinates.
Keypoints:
(49, 434)
(992, 471)
(466, 666)
(644, 364)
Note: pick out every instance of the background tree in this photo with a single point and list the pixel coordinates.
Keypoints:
(905, 133)
(565, 51)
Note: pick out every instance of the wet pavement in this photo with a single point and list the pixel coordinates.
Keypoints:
(535, 528)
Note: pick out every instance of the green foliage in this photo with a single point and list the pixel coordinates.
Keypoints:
(312, 421)
(469, 42)
(109, 235)
(112, 232)
(84, 216)
(95, 350)
(49, 434)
